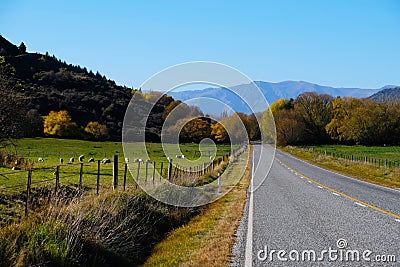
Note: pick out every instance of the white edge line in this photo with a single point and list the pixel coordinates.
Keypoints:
(248, 262)
(359, 204)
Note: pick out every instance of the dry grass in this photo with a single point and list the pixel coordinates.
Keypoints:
(360, 170)
(208, 238)
(115, 228)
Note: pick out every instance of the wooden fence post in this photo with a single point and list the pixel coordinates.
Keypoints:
(125, 171)
(80, 177)
(154, 170)
(115, 172)
(98, 177)
(28, 192)
(161, 169)
(137, 174)
(57, 179)
(169, 169)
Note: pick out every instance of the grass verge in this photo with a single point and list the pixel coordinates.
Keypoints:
(389, 177)
(208, 238)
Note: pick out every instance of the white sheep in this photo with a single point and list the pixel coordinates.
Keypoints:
(81, 157)
(126, 160)
(138, 160)
(71, 160)
(106, 160)
(91, 160)
(41, 159)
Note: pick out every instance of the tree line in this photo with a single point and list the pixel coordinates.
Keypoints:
(314, 118)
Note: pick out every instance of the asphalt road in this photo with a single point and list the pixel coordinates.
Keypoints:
(300, 209)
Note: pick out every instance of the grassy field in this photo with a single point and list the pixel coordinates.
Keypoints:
(73, 227)
(51, 150)
(13, 183)
(338, 158)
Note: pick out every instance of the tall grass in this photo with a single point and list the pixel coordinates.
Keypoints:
(115, 228)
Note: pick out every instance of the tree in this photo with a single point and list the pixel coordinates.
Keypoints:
(194, 130)
(315, 112)
(97, 130)
(235, 128)
(290, 129)
(219, 133)
(12, 106)
(60, 124)
(22, 47)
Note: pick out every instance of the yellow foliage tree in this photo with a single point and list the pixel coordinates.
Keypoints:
(97, 130)
(219, 133)
(59, 124)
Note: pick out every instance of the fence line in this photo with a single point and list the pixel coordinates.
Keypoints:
(377, 162)
(172, 172)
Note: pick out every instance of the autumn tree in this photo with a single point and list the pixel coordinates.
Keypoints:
(195, 130)
(218, 133)
(60, 124)
(235, 127)
(97, 130)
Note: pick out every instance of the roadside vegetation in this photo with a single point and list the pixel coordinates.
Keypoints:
(207, 239)
(339, 159)
(80, 228)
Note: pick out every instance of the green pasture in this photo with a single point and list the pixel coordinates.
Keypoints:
(52, 149)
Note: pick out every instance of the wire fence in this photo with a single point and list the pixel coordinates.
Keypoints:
(99, 175)
(376, 162)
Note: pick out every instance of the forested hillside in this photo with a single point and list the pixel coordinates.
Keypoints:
(387, 95)
(33, 85)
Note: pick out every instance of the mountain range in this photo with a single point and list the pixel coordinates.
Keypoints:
(271, 91)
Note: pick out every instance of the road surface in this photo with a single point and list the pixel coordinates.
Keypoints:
(301, 214)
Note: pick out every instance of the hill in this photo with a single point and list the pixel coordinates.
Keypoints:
(272, 92)
(387, 95)
(46, 84)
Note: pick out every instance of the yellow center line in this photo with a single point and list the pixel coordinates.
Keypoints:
(340, 193)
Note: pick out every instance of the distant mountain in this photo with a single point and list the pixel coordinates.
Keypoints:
(387, 95)
(272, 92)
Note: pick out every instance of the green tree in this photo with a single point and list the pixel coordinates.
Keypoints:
(22, 47)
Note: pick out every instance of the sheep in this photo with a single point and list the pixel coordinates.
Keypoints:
(71, 160)
(81, 157)
(41, 159)
(61, 160)
(138, 160)
(106, 160)
(91, 160)
(126, 160)
(180, 156)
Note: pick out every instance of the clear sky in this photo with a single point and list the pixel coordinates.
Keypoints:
(353, 43)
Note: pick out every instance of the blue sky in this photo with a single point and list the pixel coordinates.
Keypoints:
(337, 43)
